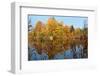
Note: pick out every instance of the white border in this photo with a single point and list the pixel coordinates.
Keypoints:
(19, 41)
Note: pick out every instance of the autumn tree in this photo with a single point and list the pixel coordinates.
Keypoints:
(53, 36)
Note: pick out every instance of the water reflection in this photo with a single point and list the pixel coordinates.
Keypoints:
(73, 52)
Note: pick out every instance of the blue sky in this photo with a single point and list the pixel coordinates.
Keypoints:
(76, 21)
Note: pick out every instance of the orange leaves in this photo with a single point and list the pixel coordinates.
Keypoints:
(54, 37)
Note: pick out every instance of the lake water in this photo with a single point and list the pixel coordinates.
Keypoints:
(75, 52)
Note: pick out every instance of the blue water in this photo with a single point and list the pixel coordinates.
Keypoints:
(67, 54)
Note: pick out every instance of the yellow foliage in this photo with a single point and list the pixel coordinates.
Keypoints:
(53, 37)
